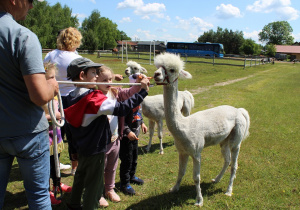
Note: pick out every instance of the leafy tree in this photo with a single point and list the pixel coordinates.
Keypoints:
(270, 50)
(232, 41)
(123, 36)
(45, 21)
(249, 47)
(278, 33)
(100, 32)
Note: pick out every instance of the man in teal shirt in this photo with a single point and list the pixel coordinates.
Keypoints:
(23, 90)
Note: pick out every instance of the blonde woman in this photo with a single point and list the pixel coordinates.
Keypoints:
(68, 40)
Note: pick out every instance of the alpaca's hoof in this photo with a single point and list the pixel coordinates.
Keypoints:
(174, 189)
(215, 180)
(200, 204)
(228, 194)
(161, 152)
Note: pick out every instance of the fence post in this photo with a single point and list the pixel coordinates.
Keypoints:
(245, 62)
(214, 60)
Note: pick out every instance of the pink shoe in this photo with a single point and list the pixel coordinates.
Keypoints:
(113, 196)
(65, 188)
(103, 202)
(54, 201)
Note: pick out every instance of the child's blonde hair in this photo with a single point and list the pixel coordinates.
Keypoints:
(104, 68)
(50, 67)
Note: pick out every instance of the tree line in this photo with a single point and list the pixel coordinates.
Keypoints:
(101, 33)
(46, 21)
(275, 33)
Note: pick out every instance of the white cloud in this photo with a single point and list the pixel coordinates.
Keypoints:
(80, 16)
(146, 34)
(144, 10)
(201, 24)
(227, 11)
(296, 37)
(193, 23)
(93, 1)
(125, 20)
(252, 35)
(130, 4)
(280, 7)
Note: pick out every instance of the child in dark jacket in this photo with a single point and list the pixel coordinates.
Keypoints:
(129, 150)
(86, 112)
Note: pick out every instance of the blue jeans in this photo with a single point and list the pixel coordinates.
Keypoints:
(32, 153)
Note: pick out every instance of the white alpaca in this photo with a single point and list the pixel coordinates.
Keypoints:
(224, 125)
(153, 109)
(134, 68)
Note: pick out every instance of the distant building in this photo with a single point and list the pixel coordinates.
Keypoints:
(292, 50)
(142, 46)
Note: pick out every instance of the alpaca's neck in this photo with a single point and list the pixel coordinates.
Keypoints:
(172, 110)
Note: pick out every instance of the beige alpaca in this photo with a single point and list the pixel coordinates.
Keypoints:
(224, 125)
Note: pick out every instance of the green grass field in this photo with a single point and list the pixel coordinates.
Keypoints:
(268, 173)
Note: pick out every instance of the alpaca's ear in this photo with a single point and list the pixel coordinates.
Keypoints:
(185, 75)
(144, 70)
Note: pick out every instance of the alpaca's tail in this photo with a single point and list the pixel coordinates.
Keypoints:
(247, 118)
(191, 97)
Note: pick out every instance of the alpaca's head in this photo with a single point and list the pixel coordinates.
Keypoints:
(133, 68)
(169, 68)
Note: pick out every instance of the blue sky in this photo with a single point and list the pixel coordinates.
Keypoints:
(186, 20)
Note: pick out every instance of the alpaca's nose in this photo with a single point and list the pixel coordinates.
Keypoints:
(157, 74)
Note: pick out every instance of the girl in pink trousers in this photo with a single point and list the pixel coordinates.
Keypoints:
(116, 125)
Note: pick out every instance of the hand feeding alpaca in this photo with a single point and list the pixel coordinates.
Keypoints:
(153, 109)
(224, 125)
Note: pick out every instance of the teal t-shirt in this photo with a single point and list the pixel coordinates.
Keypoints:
(20, 54)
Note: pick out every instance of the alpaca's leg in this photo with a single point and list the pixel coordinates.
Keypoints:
(183, 160)
(234, 166)
(226, 155)
(151, 132)
(160, 134)
(196, 177)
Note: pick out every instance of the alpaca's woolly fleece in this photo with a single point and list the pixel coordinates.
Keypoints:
(224, 125)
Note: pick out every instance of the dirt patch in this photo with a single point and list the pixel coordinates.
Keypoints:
(203, 89)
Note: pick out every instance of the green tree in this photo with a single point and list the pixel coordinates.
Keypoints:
(278, 33)
(45, 21)
(232, 41)
(100, 32)
(249, 47)
(270, 50)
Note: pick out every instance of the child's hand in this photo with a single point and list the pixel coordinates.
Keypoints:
(145, 83)
(118, 77)
(131, 136)
(144, 128)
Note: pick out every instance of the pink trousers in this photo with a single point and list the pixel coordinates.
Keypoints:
(111, 163)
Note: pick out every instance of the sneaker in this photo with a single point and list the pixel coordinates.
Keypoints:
(127, 190)
(136, 180)
(113, 196)
(54, 201)
(64, 167)
(103, 203)
(65, 188)
(73, 172)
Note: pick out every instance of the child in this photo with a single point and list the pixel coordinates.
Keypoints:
(50, 70)
(129, 149)
(116, 125)
(86, 112)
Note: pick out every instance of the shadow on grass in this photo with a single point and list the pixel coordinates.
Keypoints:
(155, 148)
(177, 199)
(15, 201)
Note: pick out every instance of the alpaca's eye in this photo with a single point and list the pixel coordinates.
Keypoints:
(172, 70)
